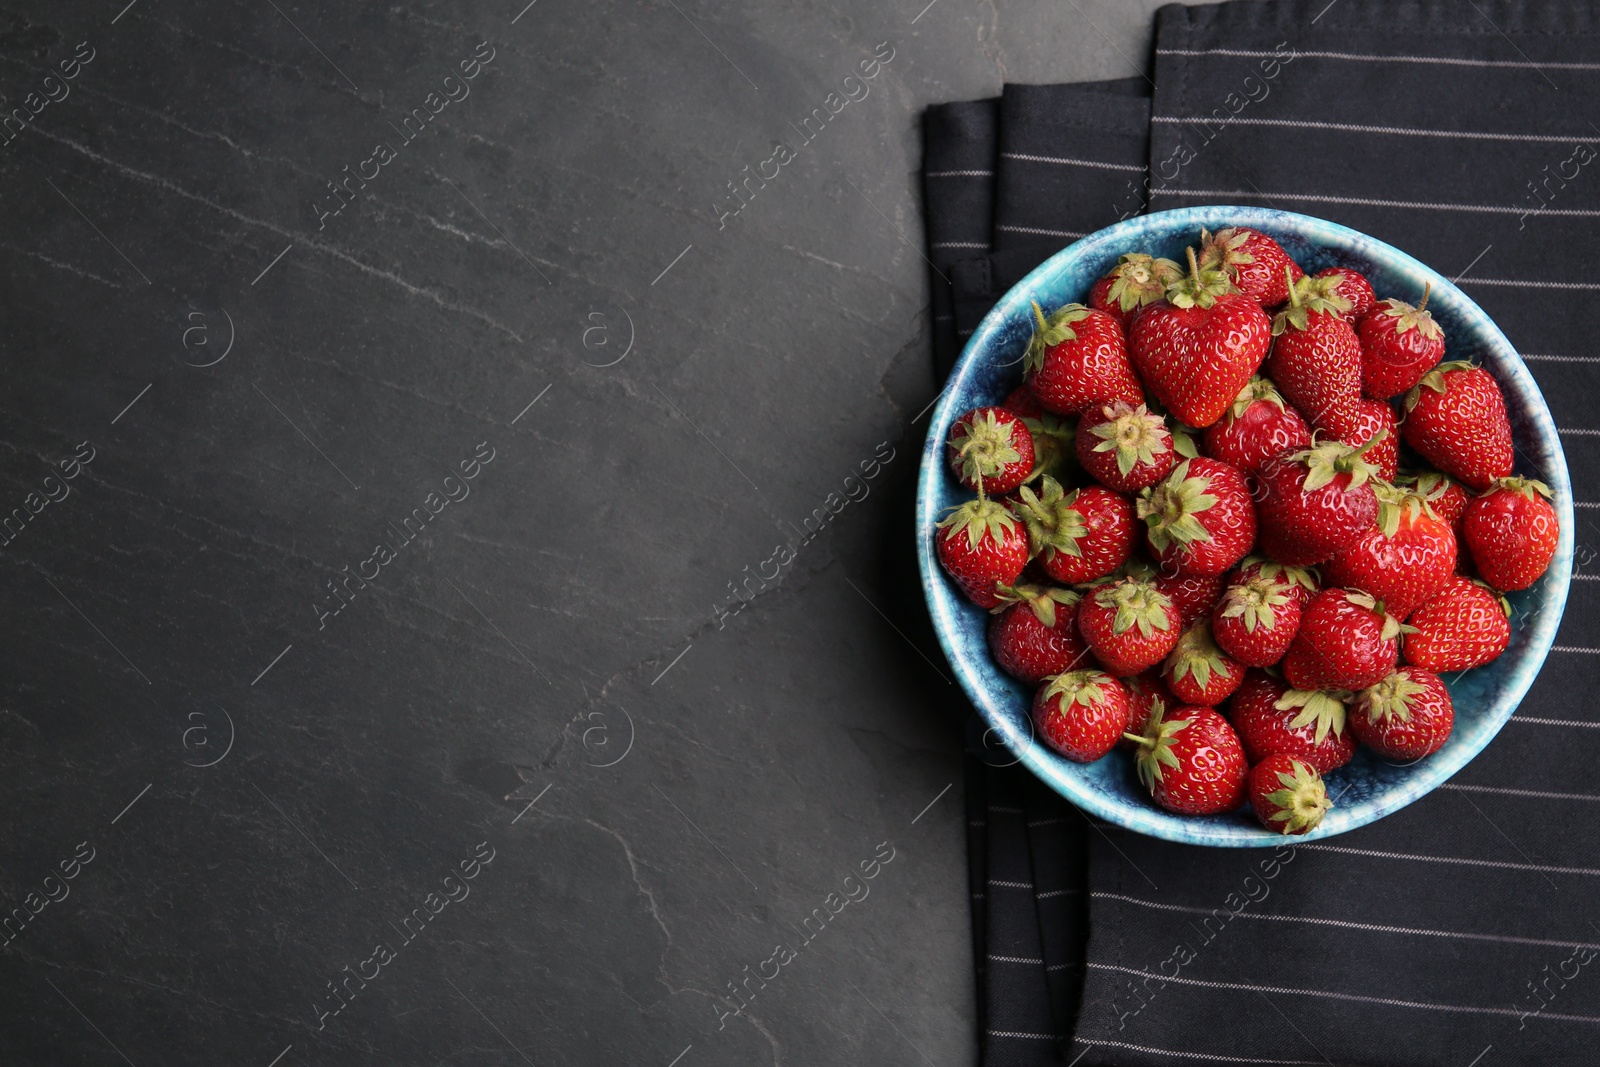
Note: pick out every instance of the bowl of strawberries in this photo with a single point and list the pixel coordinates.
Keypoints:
(1236, 523)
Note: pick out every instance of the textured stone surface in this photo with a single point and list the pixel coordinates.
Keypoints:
(164, 613)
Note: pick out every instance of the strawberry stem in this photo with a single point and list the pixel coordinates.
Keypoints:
(1194, 267)
(1294, 296)
(1427, 290)
(1130, 735)
(1038, 313)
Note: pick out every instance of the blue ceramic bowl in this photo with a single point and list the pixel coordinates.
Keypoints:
(1368, 787)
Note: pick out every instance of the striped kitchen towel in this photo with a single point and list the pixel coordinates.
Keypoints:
(1465, 929)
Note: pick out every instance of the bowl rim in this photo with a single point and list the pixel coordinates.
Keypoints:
(1149, 819)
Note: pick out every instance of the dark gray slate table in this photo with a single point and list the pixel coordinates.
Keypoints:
(399, 404)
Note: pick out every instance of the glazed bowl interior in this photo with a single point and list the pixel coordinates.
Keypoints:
(1369, 787)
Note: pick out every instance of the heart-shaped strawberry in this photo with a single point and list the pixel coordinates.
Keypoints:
(1197, 350)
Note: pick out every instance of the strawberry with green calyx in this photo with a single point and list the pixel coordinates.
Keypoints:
(1346, 640)
(1081, 714)
(1193, 595)
(1200, 518)
(1124, 447)
(1137, 281)
(1399, 344)
(1191, 760)
(991, 446)
(1314, 503)
(1255, 262)
(1273, 719)
(1034, 632)
(982, 546)
(1374, 421)
(1465, 624)
(1406, 716)
(1145, 690)
(1456, 417)
(1301, 583)
(1444, 495)
(1199, 348)
(1351, 286)
(1257, 427)
(1077, 536)
(1511, 531)
(1078, 358)
(1198, 671)
(1129, 625)
(1316, 358)
(1402, 561)
(1287, 795)
(1255, 620)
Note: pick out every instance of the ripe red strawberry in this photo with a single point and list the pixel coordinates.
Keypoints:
(1077, 536)
(1144, 691)
(1274, 720)
(1257, 427)
(1193, 595)
(1456, 418)
(1129, 625)
(1374, 421)
(1399, 344)
(1402, 561)
(1034, 633)
(1406, 716)
(1254, 261)
(1081, 714)
(1352, 286)
(1124, 447)
(1462, 625)
(1078, 358)
(1287, 795)
(1314, 503)
(1198, 672)
(1197, 351)
(1301, 583)
(1316, 358)
(1200, 518)
(991, 448)
(1137, 281)
(1345, 641)
(1255, 620)
(982, 546)
(1512, 531)
(1022, 401)
(1443, 493)
(1191, 761)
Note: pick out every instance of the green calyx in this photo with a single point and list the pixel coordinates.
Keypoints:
(1430, 485)
(1392, 627)
(1255, 601)
(1307, 578)
(1224, 249)
(1323, 707)
(1077, 687)
(1257, 388)
(1136, 434)
(1140, 280)
(1395, 503)
(1155, 744)
(1325, 460)
(1196, 654)
(1171, 508)
(1051, 519)
(1051, 331)
(1200, 287)
(1137, 605)
(1391, 697)
(1408, 318)
(985, 445)
(1435, 380)
(979, 518)
(1041, 599)
(1525, 487)
(1301, 802)
(1305, 296)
